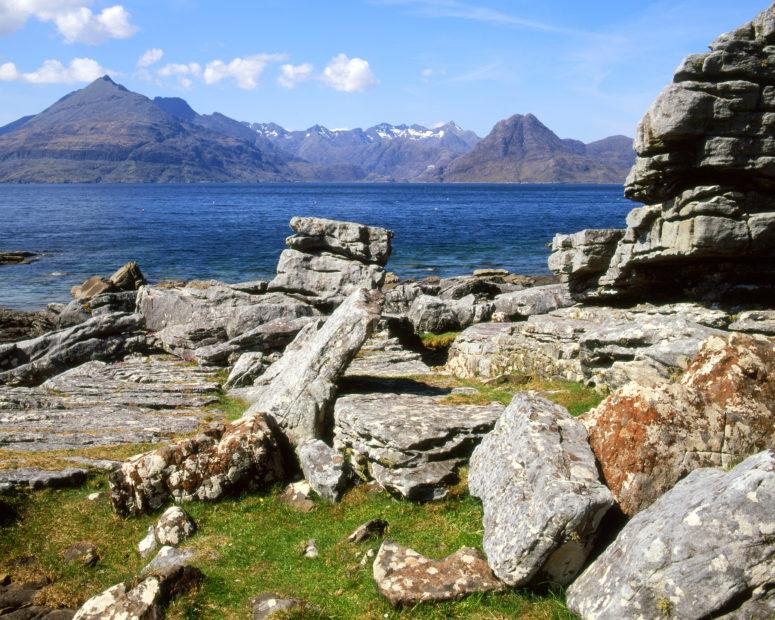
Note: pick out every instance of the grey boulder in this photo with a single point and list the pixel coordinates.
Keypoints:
(368, 244)
(536, 300)
(174, 526)
(324, 469)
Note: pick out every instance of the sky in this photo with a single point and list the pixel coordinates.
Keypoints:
(586, 69)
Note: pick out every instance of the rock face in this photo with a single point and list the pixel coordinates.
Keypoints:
(542, 499)
(16, 325)
(327, 260)
(383, 355)
(720, 411)
(438, 315)
(243, 455)
(407, 437)
(536, 300)
(324, 468)
(297, 390)
(704, 170)
(126, 278)
(602, 346)
(702, 550)
(174, 526)
(404, 577)
(107, 337)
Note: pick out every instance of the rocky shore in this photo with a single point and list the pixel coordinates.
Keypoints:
(327, 382)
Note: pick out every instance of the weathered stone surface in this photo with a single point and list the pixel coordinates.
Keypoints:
(368, 244)
(382, 355)
(406, 436)
(722, 409)
(174, 526)
(404, 577)
(536, 300)
(148, 544)
(137, 400)
(269, 606)
(375, 528)
(17, 601)
(437, 315)
(106, 337)
(602, 346)
(705, 173)
(18, 257)
(310, 550)
(17, 325)
(83, 552)
(702, 550)
(755, 321)
(248, 368)
(542, 500)
(243, 455)
(126, 278)
(167, 559)
(35, 478)
(324, 469)
(296, 391)
(299, 496)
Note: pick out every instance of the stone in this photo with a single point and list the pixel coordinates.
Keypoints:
(383, 355)
(74, 313)
(242, 456)
(248, 368)
(273, 606)
(536, 300)
(107, 337)
(18, 257)
(368, 244)
(755, 321)
(374, 528)
(174, 526)
(148, 544)
(17, 601)
(83, 552)
(96, 285)
(407, 436)
(542, 500)
(35, 478)
(406, 578)
(136, 400)
(721, 410)
(324, 469)
(437, 315)
(296, 391)
(298, 495)
(252, 287)
(310, 550)
(93, 497)
(128, 277)
(702, 550)
(18, 325)
(704, 171)
(167, 559)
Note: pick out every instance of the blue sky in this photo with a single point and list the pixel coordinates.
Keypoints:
(586, 69)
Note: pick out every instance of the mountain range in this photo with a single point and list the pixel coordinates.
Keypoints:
(106, 133)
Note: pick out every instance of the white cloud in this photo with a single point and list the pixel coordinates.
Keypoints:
(426, 73)
(244, 71)
(74, 20)
(54, 72)
(150, 57)
(291, 75)
(348, 74)
(184, 72)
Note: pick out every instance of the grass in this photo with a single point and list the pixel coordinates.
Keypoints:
(250, 545)
(438, 341)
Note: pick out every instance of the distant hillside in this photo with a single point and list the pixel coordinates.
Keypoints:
(521, 149)
(105, 133)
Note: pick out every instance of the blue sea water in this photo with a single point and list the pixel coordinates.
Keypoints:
(236, 232)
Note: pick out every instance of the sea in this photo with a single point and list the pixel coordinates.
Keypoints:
(235, 232)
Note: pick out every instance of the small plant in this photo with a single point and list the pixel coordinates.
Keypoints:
(438, 342)
(664, 607)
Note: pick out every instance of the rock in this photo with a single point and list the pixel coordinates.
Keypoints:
(542, 500)
(704, 172)
(405, 578)
(297, 390)
(107, 337)
(375, 528)
(437, 315)
(298, 495)
(755, 321)
(18, 257)
(167, 559)
(311, 550)
(17, 325)
(35, 478)
(324, 469)
(128, 277)
(407, 435)
(253, 287)
(174, 526)
(136, 400)
(702, 550)
(96, 285)
(16, 601)
(93, 497)
(83, 552)
(368, 244)
(383, 355)
(148, 544)
(146, 601)
(243, 455)
(721, 410)
(537, 300)
(248, 368)
(273, 606)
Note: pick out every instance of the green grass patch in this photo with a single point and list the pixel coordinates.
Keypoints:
(250, 545)
(229, 407)
(438, 341)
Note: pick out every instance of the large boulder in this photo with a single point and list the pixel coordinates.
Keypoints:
(126, 278)
(703, 550)
(324, 469)
(722, 409)
(296, 391)
(542, 500)
(242, 456)
(106, 337)
(368, 244)
(519, 305)
(704, 171)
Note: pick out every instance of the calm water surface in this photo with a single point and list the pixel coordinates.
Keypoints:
(236, 232)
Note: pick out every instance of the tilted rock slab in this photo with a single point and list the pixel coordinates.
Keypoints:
(298, 389)
(368, 244)
(243, 456)
(107, 337)
(404, 577)
(720, 411)
(704, 171)
(542, 500)
(703, 550)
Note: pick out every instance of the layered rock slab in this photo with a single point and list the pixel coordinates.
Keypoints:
(368, 244)
(703, 550)
(542, 500)
(721, 410)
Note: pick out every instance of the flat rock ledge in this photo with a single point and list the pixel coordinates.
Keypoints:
(405, 578)
(702, 550)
